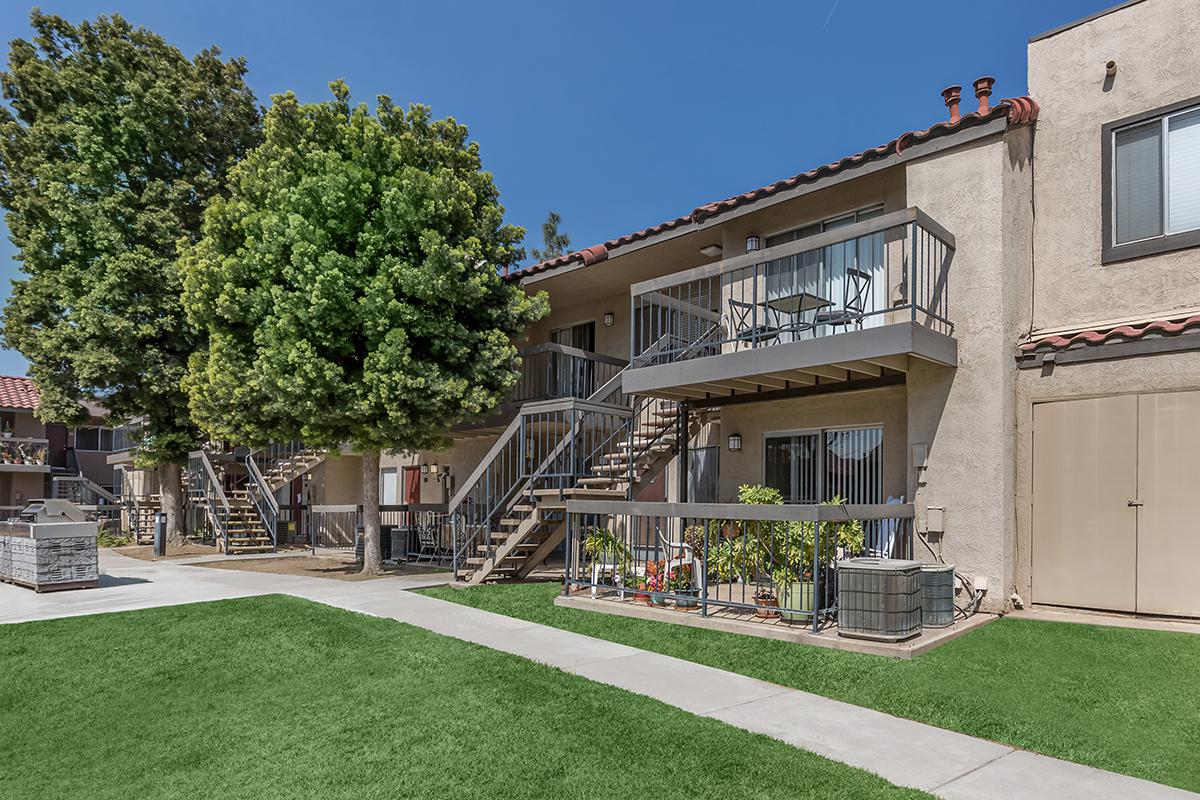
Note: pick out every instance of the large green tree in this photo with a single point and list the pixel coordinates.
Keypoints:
(349, 287)
(112, 144)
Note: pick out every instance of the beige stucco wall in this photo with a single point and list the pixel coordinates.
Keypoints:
(1155, 46)
(884, 407)
(1159, 373)
(965, 416)
(337, 481)
(613, 341)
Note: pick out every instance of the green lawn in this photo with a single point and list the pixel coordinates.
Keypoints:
(281, 698)
(1118, 699)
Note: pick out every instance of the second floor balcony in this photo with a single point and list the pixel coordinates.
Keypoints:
(549, 372)
(853, 303)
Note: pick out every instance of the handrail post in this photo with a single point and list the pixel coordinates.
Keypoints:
(912, 270)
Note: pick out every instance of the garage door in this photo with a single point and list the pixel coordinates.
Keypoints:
(1115, 523)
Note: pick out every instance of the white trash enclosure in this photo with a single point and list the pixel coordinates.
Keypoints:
(49, 547)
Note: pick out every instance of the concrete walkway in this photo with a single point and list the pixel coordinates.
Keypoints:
(907, 753)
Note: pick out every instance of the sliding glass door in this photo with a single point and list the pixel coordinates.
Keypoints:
(811, 467)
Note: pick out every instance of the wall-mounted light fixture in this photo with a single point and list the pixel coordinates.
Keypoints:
(735, 442)
(433, 469)
(610, 319)
(424, 469)
(711, 250)
(753, 243)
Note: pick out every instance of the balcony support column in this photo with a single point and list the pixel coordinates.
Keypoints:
(681, 436)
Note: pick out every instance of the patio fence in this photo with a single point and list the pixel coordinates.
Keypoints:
(334, 526)
(770, 560)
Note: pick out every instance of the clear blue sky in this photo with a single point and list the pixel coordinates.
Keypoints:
(616, 114)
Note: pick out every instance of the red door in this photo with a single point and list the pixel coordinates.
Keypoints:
(412, 485)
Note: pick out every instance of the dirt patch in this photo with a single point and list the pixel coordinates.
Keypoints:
(145, 552)
(342, 569)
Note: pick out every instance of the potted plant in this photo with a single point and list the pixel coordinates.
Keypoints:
(767, 602)
(656, 582)
(687, 596)
(641, 595)
(39, 455)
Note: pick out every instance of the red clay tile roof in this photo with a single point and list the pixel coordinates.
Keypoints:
(1018, 111)
(18, 393)
(1114, 333)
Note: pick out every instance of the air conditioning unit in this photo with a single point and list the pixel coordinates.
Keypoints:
(937, 595)
(879, 598)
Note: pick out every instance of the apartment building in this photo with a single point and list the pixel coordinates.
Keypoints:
(988, 322)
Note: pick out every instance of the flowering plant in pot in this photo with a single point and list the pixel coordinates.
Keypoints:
(657, 586)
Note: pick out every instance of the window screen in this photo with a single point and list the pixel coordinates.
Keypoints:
(1183, 181)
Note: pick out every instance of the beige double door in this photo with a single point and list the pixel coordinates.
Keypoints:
(1116, 506)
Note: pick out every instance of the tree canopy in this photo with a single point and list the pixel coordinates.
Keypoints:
(113, 145)
(349, 286)
(554, 244)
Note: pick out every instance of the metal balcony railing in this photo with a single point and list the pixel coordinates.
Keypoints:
(555, 371)
(889, 269)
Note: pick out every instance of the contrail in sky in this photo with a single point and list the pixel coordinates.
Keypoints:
(830, 15)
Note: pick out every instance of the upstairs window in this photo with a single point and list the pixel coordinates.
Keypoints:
(94, 439)
(1152, 203)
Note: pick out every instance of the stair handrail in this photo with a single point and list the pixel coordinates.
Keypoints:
(263, 499)
(216, 504)
(85, 483)
(506, 496)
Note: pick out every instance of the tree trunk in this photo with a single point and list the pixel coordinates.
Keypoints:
(372, 564)
(170, 488)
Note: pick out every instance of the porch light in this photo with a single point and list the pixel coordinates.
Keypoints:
(424, 469)
(610, 319)
(433, 469)
(735, 442)
(711, 250)
(753, 243)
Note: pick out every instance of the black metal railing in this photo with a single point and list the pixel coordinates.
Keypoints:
(889, 269)
(767, 561)
(553, 371)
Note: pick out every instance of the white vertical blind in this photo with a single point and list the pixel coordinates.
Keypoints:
(1183, 179)
(1138, 193)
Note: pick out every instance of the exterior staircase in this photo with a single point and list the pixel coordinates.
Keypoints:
(244, 528)
(140, 513)
(246, 519)
(529, 522)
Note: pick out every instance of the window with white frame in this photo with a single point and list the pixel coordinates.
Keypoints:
(93, 438)
(814, 466)
(389, 487)
(1153, 179)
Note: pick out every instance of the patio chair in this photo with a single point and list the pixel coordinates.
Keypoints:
(752, 323)
(856, 296)
(678, 554)
(427, 538)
